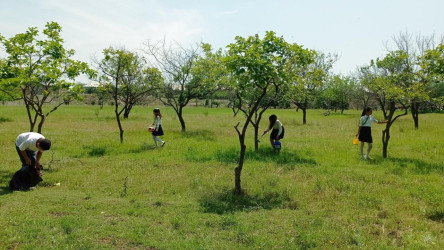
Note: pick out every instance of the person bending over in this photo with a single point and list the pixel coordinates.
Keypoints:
(277, 130)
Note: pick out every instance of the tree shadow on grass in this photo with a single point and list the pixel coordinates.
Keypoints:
(437, 216)
(96, 151)
(228, 202)
(5, 190)
(5, 177)
(418, 166)
(264, 155)
(3, 119)
(200, 135)
(142, 148)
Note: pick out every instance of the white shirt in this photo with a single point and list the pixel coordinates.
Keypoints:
(366, 121)
(278, 125)
(27, 141)
(157, 122)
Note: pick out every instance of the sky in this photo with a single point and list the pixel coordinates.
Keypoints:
(356, 30)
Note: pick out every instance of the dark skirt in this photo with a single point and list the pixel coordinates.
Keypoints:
(275, 132)
(365, 134)
(159, 131)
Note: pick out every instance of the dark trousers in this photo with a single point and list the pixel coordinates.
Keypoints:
(31, 154)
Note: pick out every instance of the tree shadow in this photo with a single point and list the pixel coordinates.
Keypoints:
(5, 190)
(437, 216)
(268, 154)
(5, 177)
(200, 135)
(418, 166)
(227, 202)
(142, 148)
(4, 119)
(96, 151)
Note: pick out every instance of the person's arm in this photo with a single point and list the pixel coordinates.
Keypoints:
(37, 162)
(25, 156)
(359, 127)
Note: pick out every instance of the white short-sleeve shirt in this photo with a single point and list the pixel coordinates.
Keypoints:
(278, 125)
(27, 141)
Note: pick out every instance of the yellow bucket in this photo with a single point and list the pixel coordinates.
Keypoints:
(355, 141)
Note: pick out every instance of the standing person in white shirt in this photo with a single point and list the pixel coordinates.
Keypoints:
(365, 131)
(30, 147)
(157, 124)
(277, 128)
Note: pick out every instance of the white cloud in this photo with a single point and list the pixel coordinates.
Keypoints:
(91, 26)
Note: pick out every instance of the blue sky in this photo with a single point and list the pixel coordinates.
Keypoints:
(355, 30)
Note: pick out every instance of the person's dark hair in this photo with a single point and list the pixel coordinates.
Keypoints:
(157, 112)
(273, 119)
(45, 144)
(365, 111)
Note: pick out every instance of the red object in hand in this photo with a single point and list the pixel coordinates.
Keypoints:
(151, 129)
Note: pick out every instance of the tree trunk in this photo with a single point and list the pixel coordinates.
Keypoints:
(415, 113)
(119, 124)
(385, 140)
(256, 137)
(384, 110)
(120, 128)
(182, 121)
(127, 111)
(386, 131)
(28, 111)
(40, 126)
(31, 124)
(304, 115)
(238, 170)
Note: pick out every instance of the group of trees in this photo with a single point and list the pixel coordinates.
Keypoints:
(255, 73)
(405, 79)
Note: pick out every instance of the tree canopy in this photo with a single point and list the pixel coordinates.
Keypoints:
(260, 68)
(40, 71)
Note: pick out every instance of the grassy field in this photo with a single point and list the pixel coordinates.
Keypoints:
(316, 193)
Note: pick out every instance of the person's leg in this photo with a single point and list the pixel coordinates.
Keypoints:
(31, 154)
(370, 146)
(158, 140)
(273, 135)
(21, 156)
(362, 150)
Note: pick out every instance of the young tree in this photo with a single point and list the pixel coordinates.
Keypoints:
(259, 67)
(41, 72)
(418, 81)
(183, 72)
(138, 83)
(432, 65)
(433, 61)
(337, 93)
(124, 75)
(311, 81)
(391, 83)
(209, 72)
(372, 84)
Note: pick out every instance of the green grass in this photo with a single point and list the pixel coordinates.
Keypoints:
(315, 193)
